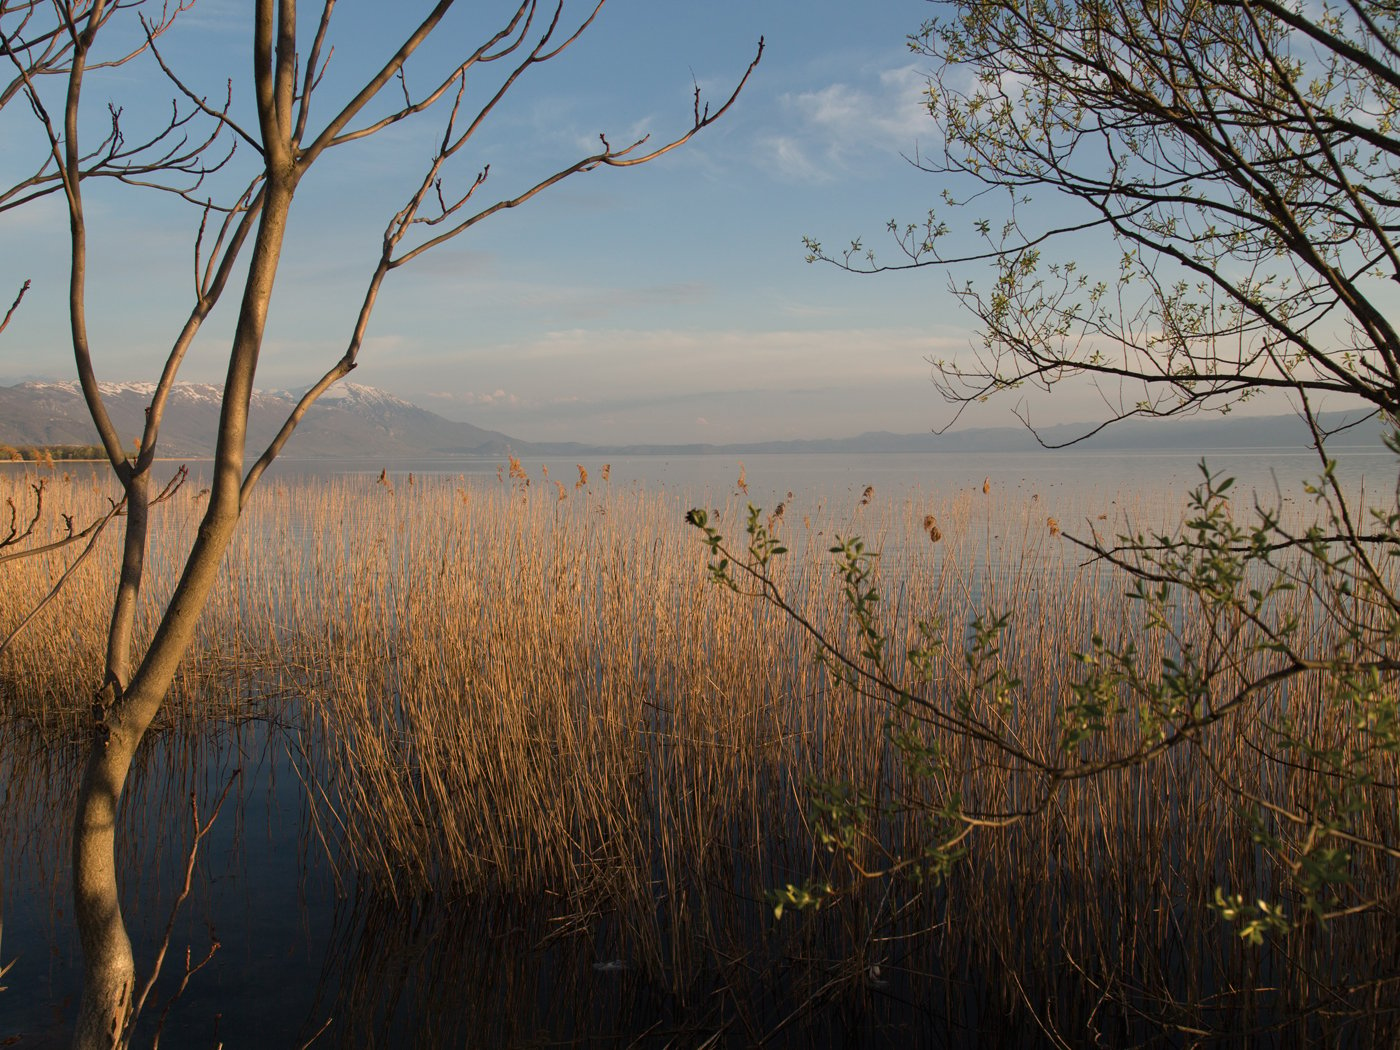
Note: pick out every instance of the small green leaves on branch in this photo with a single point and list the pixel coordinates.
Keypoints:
(1237, 633)
(809, 895)
(1254, 921)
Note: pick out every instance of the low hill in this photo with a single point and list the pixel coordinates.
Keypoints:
(353, 420)
(349, 420)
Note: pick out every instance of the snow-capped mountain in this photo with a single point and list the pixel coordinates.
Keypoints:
(349, 420)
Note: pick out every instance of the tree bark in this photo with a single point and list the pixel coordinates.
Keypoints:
(122, 714)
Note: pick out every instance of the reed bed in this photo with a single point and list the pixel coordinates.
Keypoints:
(532, 694)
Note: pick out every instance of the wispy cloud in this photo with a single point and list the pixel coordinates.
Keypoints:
(222, 15)
(833, 128)
(811, 311)
(572, 303)
(618, 138)
(598, 363)
(495, 397)
(716, 415)
(583, 303)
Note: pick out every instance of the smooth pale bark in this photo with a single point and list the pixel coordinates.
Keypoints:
(123, 714)
(125, 709)
(130, 699)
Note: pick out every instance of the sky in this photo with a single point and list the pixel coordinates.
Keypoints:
(664, 303)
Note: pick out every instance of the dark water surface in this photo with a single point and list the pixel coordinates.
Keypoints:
(771, 475)
(262, 888)
(307, 955)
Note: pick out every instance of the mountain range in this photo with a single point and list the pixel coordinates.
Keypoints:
(353, 420)
(348, 419)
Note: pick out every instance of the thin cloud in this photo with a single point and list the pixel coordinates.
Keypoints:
(835, 127)
(791, 159)
(721, 415)
(578, 304)
(585, 360)
(639, 130)
(494, 397)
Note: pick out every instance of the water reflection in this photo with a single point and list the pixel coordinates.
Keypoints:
(1086, 925)
(308, 952)
(313, 954)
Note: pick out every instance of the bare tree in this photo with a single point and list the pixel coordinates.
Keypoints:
(284, 144)
(35, 45)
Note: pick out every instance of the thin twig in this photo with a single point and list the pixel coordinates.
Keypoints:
(14, 306)
(96, 529)
(200, 831)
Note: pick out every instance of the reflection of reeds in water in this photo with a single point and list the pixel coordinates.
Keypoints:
(512, 697)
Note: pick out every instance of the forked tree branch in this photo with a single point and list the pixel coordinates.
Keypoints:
(1226, 149)
(18, 533)
(402, 223)
(178, 160)
(199, 832)
(19, 298)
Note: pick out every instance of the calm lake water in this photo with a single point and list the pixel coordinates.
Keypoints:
(1067, 476)
(307, 956)
(770, 476)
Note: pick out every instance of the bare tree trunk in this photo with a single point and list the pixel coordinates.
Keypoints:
(108, 970)
(129, 699)
(123, 713)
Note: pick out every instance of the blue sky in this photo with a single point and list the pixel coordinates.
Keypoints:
(666, 303)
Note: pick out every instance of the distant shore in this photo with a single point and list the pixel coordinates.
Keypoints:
(52, 453)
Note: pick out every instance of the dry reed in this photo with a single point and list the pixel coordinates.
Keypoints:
(512, 692)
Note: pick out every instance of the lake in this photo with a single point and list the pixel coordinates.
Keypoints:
(509, 772)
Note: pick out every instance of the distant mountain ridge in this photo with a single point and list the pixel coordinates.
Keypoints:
(347, 420)
(1282, 432)
(352, 420)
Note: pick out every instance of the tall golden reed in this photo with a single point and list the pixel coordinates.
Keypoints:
(535, 692)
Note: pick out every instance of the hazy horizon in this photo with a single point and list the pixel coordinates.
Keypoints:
(667, 303)
(837, 430)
